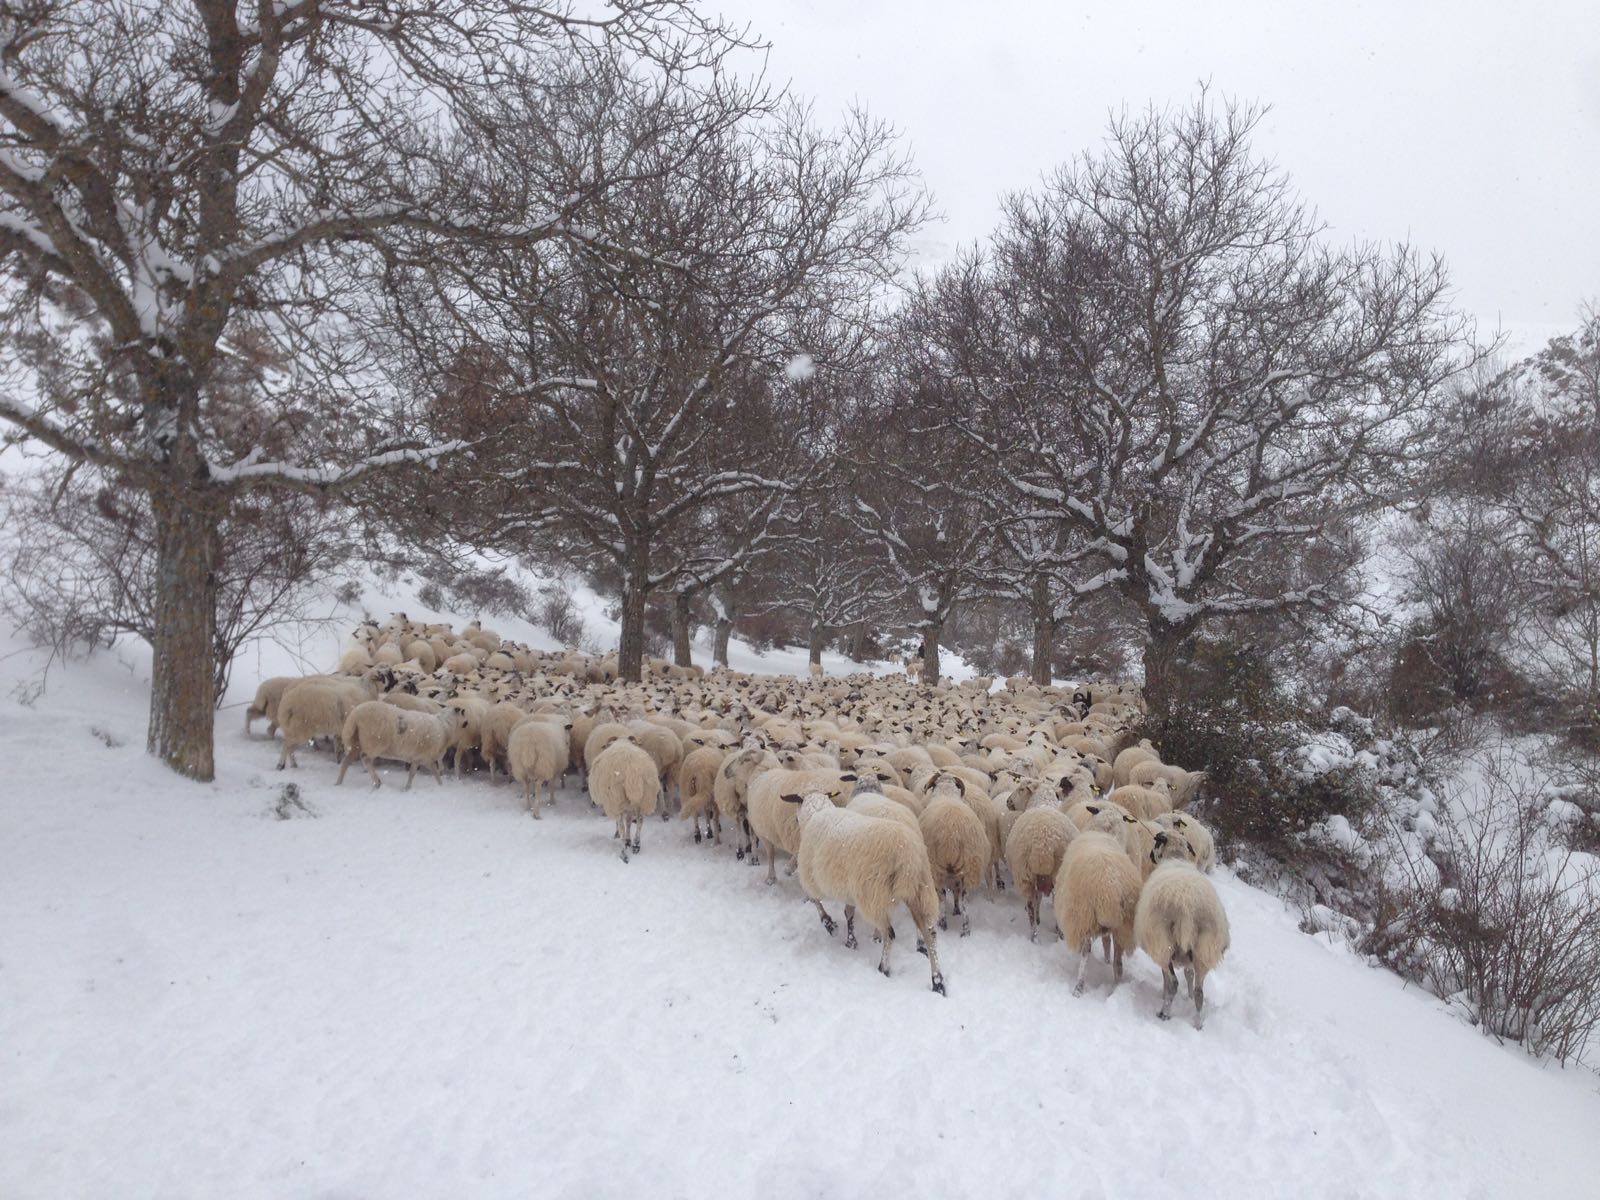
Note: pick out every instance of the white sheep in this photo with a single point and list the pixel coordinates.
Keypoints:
(1182, 784)
(1180, 922)
(778, 824)
(1127, 759)
(1196, 834)
(697, 775)
(375, 729)
(870, 864)
(1035, 846)
(624, 783)
(317, 708)
(536, 754)
(1097, 891)
(958, 849)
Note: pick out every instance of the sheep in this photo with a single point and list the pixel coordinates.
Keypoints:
(1035, 846)
(623, 781)
(355, 661)
(778, 824)
(870, 864)
(422, 654)
(958, 850)
(494, 732)
(1183, 784)
(460, 664)
(375, 729)
(536, 754)
(1127, 759)
(269, 694)
(1196, 834)
(876, 804)
(696, 779)
(1180, 921)
(468, 735)
(1144, 801)
(318, 708)
(1097, 891)
(730, 790)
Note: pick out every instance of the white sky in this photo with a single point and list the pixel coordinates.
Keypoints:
(1468, 128)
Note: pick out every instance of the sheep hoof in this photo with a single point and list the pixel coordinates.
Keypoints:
(850, 942)
(830, 925)
(966, 928)
(697, 838)
(883, 970)
(938, 984)
(1163, 1016)
(1078, 991)
(922, 947)
(740, 856)
(944, 923)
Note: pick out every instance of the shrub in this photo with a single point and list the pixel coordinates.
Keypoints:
(1505, 922)
(559, 615)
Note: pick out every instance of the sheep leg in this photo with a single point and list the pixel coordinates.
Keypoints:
(828, 922)
(1199, 998)
(883, 962)
(1169, 989)
(1033, 918)
(638, 829)
(1188, 979)
(772, 866)
(411, 775)
(622, 833)
(794, 865)
(1116, 964)
(850, 927)
(697, 837)
(434, 767)
(1105, 946)
(372, 769)
(943, 923)
(1085, 953)
(344, 766)
(965, 915)
(932, 952)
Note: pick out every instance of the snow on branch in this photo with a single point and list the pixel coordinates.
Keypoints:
(249, 471)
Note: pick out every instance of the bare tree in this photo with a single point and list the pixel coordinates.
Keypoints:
(1162, 353)
(179, 178)
(633, 395)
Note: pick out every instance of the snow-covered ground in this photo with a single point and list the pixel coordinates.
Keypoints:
(428, 994)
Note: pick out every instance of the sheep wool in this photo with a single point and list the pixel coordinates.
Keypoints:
(870, 864)
(1097, 891)
(376, 729)
(536, 754)
(1180, 922)
(958, 851)
(623, 781)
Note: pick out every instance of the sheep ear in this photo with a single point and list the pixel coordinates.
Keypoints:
(1092, 809)
(847, 778)
(1161, 840)
(961, 786)
(791, 799)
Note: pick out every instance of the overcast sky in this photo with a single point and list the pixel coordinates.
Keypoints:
(1468, 128)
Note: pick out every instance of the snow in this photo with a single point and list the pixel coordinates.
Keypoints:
(428, 994)
(800, 368)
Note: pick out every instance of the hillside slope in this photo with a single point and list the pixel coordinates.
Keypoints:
(429, 994)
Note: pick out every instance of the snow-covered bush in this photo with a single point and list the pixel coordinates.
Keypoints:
(1502, 919)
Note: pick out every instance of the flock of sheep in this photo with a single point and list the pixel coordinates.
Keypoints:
(878, 791)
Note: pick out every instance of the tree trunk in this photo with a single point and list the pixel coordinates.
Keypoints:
(681, 650)
(858, 642)
(635, 590)
(1044, 631)
(815, 645)
(183, 677)
(724, 631)
(931, 633)
(1163, 656)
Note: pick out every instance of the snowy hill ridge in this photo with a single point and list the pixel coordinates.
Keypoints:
(428, 994)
